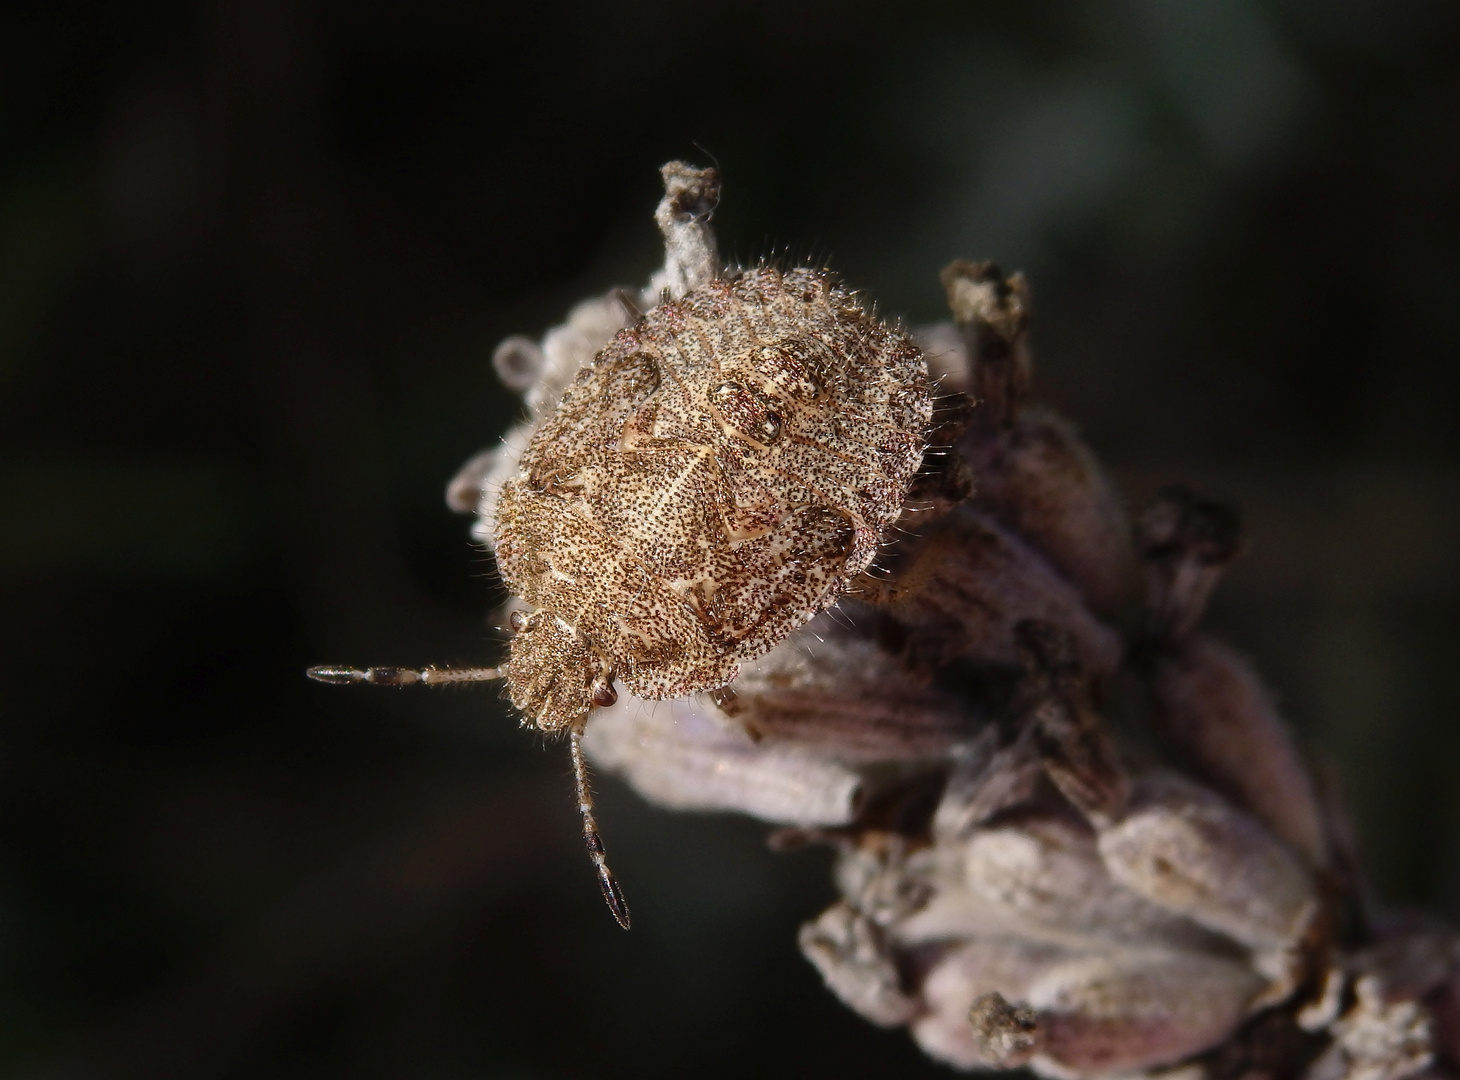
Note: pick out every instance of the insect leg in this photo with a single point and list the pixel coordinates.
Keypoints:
(612, 894)
(395, 676)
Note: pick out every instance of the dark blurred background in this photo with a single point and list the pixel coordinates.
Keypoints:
(254, 256)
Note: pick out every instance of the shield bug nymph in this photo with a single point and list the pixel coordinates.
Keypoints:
(717, 475)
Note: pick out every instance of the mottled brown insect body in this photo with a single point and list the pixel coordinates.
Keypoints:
(712, 480)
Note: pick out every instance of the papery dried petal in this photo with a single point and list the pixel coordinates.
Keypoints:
(1126, 1011)
(966, 974)
(677, 754)
(849, 952)
(1217, 708)
(1377, 1039)
(842, 693)
(1191, 851)
(1041, 480)
(1046, 867)
(962, 585)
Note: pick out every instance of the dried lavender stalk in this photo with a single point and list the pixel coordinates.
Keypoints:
(1071, 837)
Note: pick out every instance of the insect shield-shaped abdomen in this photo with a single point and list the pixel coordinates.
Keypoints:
(713, 478)
(716, 477)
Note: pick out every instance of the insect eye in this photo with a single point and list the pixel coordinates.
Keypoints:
(770, 427)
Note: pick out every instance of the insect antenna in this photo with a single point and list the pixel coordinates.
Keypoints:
(612, 894)
(396, 676)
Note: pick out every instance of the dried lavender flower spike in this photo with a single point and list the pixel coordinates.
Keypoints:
(890, 624)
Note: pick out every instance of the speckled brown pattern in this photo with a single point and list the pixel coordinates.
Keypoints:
(713, 479)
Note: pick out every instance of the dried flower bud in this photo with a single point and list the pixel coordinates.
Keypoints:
(692, 256)
(1046, 867)
(1215, 707)
(947, 352)
(518, 362)
(1377, 1039)
(993, 311)
(1120, 1012)
(1033, 471)
(678, 754)
(469, 486)
(1192, 852)
(961, 586)
(1186, 541)
(832, 689)
(1042, 480)
(1002, 1004)
(1209, 703)
(849, 951)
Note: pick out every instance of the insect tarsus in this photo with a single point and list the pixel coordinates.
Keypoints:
(612, 894)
